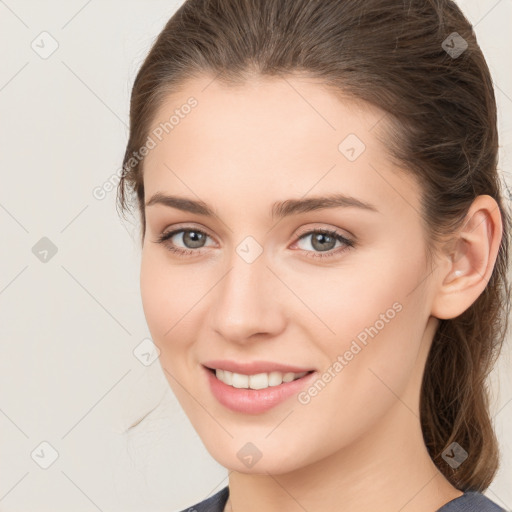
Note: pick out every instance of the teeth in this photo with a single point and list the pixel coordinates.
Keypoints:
(258, 381)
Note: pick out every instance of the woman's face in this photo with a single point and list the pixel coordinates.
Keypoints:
(258, 281)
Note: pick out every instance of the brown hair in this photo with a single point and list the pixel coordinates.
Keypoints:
(441, 126)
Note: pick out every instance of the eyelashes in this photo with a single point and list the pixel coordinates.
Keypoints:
(165, 239)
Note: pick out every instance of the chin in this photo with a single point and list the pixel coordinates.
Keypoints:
(254, 458)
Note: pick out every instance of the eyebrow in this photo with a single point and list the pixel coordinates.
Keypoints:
(280, 209)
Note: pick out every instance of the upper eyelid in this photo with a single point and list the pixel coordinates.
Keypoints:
(174, 231)
(299, 232)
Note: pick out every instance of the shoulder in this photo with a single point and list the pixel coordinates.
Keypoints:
(214, 503)
(471, 501)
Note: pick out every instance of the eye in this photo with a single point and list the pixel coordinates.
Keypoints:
(322, 241)
(192, 237)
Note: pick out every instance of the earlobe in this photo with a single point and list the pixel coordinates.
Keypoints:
(471, 259)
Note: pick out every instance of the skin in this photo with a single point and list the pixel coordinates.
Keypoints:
(358, 443)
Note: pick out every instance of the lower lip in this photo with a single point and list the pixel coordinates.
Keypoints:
(255, 401)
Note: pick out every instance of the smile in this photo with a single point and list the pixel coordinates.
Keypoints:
(258, 380)
(256, 393)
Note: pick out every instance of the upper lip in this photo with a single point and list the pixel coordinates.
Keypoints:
(253, 367)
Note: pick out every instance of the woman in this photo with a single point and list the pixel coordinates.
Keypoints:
(324, 248)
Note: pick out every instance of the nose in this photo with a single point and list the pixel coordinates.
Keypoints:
(248, 302)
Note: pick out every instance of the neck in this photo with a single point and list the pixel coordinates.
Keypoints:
(388, 472)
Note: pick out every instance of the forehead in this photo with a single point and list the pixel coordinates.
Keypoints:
(291, 108)
(268, 135)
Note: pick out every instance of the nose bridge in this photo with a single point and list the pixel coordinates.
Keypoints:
(245, 301)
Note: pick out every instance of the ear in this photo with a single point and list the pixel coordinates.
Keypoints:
(467, 265)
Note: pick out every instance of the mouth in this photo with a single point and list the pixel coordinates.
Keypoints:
(256, 381)
(255, 393)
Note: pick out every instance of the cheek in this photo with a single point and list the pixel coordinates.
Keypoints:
(173, 299)
(164, 300)
(366, 289)
(375, 355)
(369, 365)
(165, 303)
(375, 322)
(155, 300)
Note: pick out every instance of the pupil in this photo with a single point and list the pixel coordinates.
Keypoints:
(321, 241)
(194, 238)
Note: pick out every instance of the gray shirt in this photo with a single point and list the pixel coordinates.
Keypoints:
(470, 501)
